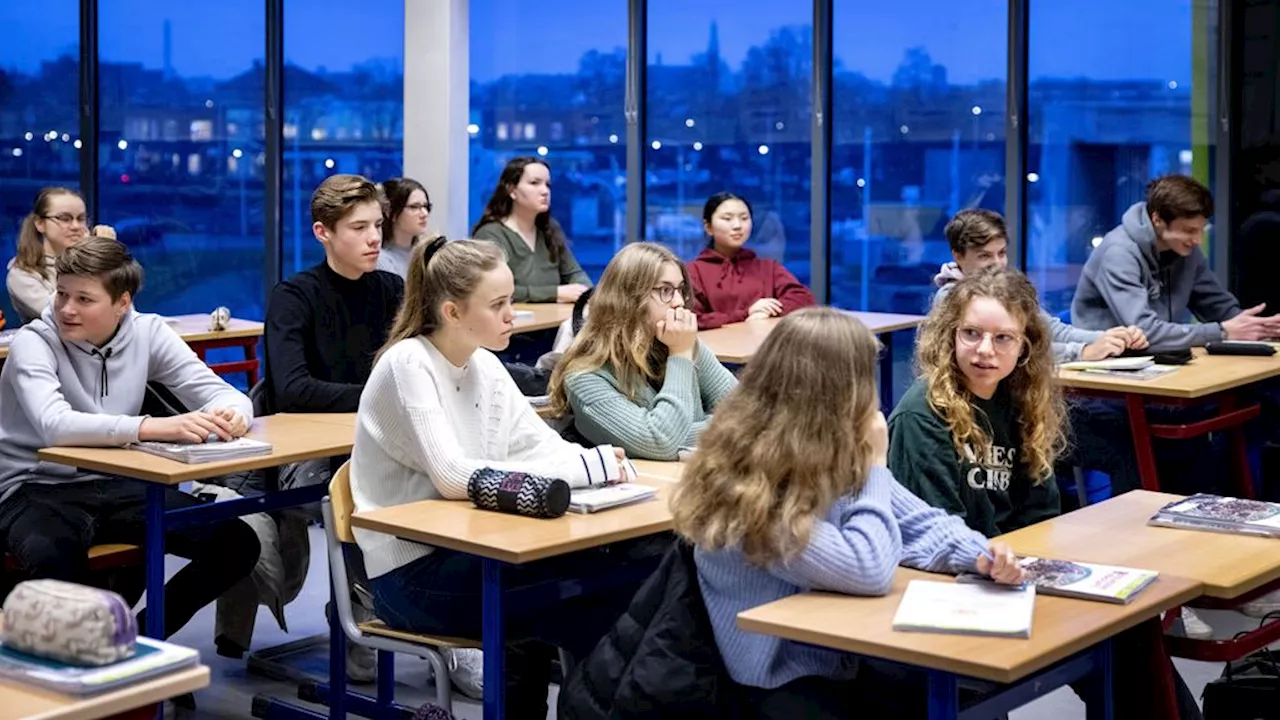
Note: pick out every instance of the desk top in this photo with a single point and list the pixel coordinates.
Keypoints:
(1115, 532)
(545, 316)
(459, 525)
(294, 438)
(1061, 627)
(18, 700)
(659, 470)
(737, 342)
(1204, 375)
(192, 328)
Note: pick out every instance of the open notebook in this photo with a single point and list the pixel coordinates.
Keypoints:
(589, 500)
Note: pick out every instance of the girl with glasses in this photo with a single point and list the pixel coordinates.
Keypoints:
(56, 222)
(405, 214)
(636, 375)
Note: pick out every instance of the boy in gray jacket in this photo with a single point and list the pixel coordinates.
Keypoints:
(1149, 272)
(78, 375)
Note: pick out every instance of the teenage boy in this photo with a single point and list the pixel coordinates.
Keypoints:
(1149, 272)
(77, 375)
(978, 239)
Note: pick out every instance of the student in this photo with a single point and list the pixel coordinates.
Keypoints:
(438, 407)
(57, 221)
(977, 434)
(636, 375)
(978, 239)
(77, 375)
(1149, 272)
(518, 219)
(732, 284)
(408, 207)
(789, 492)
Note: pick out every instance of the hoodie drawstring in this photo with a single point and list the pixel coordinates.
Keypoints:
(103, 388)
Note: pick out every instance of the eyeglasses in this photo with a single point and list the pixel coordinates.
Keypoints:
(67, 219)
(1003, 342)
(418, 207)
(667, 292)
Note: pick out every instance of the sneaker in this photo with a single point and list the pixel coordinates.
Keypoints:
(362, 661)
(466, 670)
(1193, 627)
(1262, 606)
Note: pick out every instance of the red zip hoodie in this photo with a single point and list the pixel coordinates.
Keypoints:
(724, 288)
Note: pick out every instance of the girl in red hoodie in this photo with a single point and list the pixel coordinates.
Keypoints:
(732, 284)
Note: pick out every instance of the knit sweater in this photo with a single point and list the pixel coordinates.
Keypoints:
(658, 422)
(425, 426)
(537, 278)
(855, 549)
(28, 291)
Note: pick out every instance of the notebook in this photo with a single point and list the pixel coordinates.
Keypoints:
(152, 658)
(1221, 514)
(966, 609)
(195, 453)
(1084, 581)
(523, 314)
(1115, 363)
(589, 500)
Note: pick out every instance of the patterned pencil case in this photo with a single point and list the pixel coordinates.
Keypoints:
(70, 623)
(518, 493)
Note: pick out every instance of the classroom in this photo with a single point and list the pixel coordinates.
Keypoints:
(907, 360)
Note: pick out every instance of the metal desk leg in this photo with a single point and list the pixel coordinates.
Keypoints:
(494, 642)
(154, 558)
(1143, 450)
(886, 373)
(337, 661)
(1100, 705)
(944, 696)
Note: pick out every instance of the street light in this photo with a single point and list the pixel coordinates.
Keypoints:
(656, 145)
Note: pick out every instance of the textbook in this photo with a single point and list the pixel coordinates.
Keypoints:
(589, 500)
(1221, 514)
(1083, 581)
(151, 658)
(966, 609)
(195, 453)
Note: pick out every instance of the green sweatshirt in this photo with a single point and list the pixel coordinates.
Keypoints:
(659, 422)
(537, 278)
(994, 494)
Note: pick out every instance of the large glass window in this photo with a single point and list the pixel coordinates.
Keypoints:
(39, 110)
(918, 134)
(729, 103)
(180, 156)
(1107, 115)
(556, 92)
(343, 107)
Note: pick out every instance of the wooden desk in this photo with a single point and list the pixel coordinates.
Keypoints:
(32, 703)
(293, 437)
(1205, 375)
(1115, 532)
(658, 470)
(347, 420)
(546, 316)
(737, 343)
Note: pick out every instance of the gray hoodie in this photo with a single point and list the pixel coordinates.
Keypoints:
(1068, 341)
(1126, 282)
(56, 392)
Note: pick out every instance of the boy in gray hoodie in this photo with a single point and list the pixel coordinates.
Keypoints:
(1149, 272)
(77, 375)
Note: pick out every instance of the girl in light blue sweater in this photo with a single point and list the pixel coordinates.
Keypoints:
(789, 492)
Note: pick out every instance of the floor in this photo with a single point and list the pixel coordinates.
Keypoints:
(232, 691)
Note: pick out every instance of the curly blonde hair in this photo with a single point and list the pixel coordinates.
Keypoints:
(787, 442)
(617, 333)
(1037, 399)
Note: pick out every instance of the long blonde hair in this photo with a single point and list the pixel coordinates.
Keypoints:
(617, 333)
(30, 254)
(1037, 399)
(787, 442)
(439, 271)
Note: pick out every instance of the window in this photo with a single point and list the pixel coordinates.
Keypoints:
(524, 86)
(918, 133)
(343, 107)
(729, 104)
(39, 110)
(1104, 123)
(169, 87)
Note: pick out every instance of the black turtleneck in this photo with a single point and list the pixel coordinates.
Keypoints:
(322, 332)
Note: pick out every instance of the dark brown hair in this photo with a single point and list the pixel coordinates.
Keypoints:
(30, 244)
(1178, 197)
(338, 195)
(500, 206)
(973, 228)
(106, 259)
(396, 192)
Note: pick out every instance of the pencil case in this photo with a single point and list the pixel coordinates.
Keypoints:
(518, 493)
(71, 623)
(1231, 347)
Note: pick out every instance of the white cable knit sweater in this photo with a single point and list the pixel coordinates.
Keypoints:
(425, 426)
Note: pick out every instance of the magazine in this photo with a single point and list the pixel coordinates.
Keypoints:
(1084, 581)
(1221, 514)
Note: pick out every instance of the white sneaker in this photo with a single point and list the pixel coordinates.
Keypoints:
(1263, 606)
(1193, 627)
(466, 670)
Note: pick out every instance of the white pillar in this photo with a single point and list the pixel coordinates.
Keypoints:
(437, 105)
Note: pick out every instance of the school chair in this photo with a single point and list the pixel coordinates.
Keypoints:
(337, 509)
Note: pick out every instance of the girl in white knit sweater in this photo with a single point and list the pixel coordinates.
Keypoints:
(439, 406)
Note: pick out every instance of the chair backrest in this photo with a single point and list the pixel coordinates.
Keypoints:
(343, 505)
